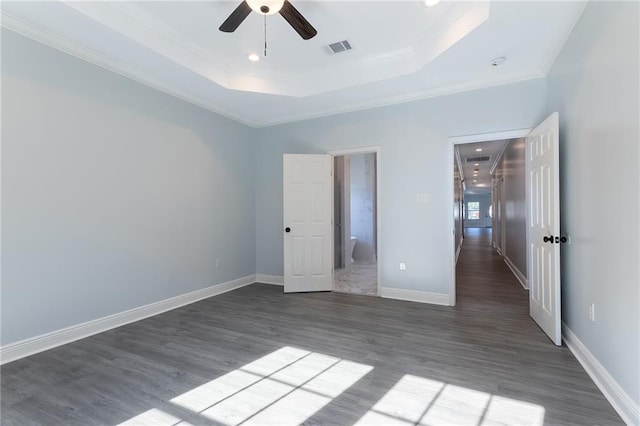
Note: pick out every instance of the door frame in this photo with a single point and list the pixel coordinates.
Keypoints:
(461, 140)
(366, 150)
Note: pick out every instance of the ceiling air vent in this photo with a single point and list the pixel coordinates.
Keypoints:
(338, 47)
(477, 159)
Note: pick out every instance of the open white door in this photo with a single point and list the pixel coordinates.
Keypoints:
(543, 196)
(307, 223)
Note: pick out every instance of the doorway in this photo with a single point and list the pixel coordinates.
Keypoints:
(474, 163)
(539, 217)
(356, 222)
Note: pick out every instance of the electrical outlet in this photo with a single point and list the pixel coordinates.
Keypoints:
(403, 266)
(592, 312)
(219, 262)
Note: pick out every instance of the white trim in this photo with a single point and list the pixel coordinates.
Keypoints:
(458, 250)
(43, 342)
(519, 275)
(355, 150)
(270, 279)
(456, 153)
(452, 142)
(367, 150)
(416, 296)
(499, 156)
(619, 399)
(71, 48)
(60, 43)
(401, 99)
(450, 185)
(491, 136)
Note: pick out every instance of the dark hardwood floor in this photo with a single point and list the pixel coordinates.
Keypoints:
(256, 355)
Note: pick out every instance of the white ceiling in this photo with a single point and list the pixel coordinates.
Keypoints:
(402, 50)
(480, 183)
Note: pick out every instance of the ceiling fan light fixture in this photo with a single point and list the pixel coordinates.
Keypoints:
(265, 7)
(253, 57)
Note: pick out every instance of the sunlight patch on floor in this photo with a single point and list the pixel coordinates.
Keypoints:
(417, 400)
(154, 417)
(285, 387)
(507, 411)
(288, 386)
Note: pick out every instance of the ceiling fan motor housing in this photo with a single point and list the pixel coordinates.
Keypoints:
(266, 7)
(269, 7)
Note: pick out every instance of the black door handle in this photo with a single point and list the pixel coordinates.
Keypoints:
(548, 239)
(287, 229)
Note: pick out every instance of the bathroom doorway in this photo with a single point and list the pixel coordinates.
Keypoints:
(356, 223)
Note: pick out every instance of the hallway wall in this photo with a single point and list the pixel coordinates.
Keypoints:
(594, 85)
(511, 169)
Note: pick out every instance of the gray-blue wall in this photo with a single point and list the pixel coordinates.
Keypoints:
(415, 158)
(594, 86)
(114, 195)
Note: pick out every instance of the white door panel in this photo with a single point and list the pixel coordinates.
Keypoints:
(543, 191)
(307, 223)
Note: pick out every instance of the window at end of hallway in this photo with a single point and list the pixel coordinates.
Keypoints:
(473, 210)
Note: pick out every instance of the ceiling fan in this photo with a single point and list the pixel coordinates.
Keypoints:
(269, 7)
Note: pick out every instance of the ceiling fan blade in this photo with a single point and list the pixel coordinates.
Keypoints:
(297, 21)
(235, 19)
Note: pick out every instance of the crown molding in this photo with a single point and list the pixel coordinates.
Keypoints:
(404, 98)
(62, 44)
(71, 48)
(499, 156)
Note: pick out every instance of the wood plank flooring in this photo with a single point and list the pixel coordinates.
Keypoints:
(258, 356)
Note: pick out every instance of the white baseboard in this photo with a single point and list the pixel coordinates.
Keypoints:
(458, 252)
(499, 250)
(33, 345)
(269, 279)
(416, 296)
(519, 275)
(619, 399)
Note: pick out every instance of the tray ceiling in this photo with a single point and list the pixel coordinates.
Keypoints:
(402, 50)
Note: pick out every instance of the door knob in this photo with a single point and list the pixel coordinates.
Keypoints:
(548, 239)
(287, 229)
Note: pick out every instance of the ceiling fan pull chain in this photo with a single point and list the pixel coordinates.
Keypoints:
(265, 36)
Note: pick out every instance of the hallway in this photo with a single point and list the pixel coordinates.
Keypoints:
(484, 279)
(494, 308)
